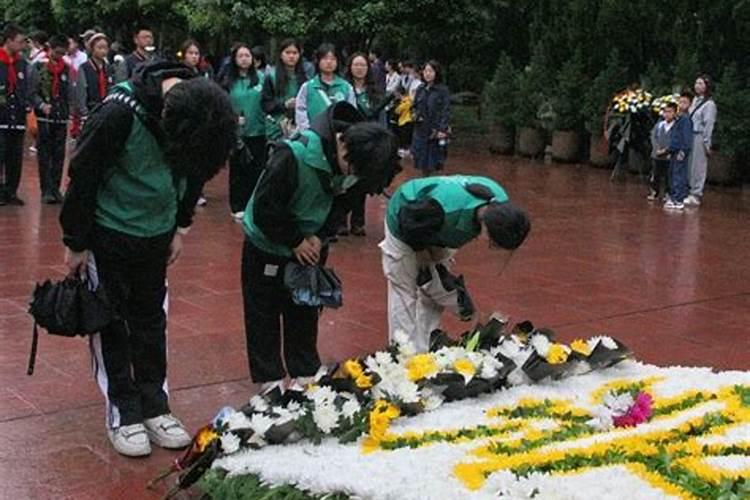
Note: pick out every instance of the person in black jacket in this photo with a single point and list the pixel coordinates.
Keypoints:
(13, 107)
(144, 52)
(134, 178)
(52, 94)
(95, 76)
(432, 119)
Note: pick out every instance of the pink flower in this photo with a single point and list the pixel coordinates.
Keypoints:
(640, 412)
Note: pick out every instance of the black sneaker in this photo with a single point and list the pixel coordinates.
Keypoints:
(358, 231)
(49, 199)
(16, 201)
(342, 231)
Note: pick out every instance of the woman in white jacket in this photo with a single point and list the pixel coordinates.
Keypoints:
(703, 114)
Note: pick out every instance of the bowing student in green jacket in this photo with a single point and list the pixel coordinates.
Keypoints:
(325, 89)
(244, 84)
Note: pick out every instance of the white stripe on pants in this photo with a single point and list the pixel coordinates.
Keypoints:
(112, 413)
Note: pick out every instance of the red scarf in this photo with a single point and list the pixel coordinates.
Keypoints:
(101, 76)
(56, 69)
(10, 62)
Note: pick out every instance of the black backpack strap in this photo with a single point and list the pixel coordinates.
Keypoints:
(34, 346)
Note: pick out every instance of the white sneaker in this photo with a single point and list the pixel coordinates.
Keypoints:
(202, 202)
(168, 432)
(652, 196)
(130, 440)
(692, 200)
(238, 216)
(267, 387)
(672, 205)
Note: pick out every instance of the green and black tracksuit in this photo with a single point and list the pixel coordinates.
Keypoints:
(248, 159)
(14, 103)
(124, 205)
(293, 200)
(50, 85)
(274, 102)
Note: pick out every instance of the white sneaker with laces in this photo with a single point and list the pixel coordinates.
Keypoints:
(672, 205)
(168, 432)
(238, 216)
(130, 440)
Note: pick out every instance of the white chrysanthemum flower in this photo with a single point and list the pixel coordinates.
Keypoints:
(321, 395)
(237, 420)
(260, 424)
(607, 342)
(259, 403)
(326, 417)
(541, 344)
(230, 443)
(293, 406)
(350, 408)
(618, 404)
(404, 343)
(490, 367)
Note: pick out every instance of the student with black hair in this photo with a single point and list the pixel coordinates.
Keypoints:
(143, 39)
(426, 221)
(259, 60)
(280, 88)
(432, 115)
(679, 150)
(192, 57)
(370, 102)
(39, 48)
(52, 94)
(14, 104)
(244, 84)
(325, 89)
(95, 77)
(135, 175)
(288, 220)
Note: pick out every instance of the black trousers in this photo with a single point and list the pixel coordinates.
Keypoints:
(660, 181)
(244, 170)
(268, 307)
(11, 160)
(350, 212)
(130, 356)
(50, 145)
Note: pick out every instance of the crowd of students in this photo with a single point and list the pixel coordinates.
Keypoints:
(140, 163)
(59, 84)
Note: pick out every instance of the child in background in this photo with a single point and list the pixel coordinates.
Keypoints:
(679, 154)
(661, 135)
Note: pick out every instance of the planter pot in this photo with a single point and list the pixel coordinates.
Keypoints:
(502, 140)
(566, 145)
(530, 142)
(599, 152)
(722, 169)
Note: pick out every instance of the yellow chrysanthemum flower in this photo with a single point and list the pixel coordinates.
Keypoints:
(420, 367)
(581, 347)
(465, 368)
(557, 354)
(363, 381)
(353, 368)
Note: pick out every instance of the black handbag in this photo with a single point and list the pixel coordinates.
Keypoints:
(314, 286)
(67, 308)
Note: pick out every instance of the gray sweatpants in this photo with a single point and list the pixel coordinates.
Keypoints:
(698, 166)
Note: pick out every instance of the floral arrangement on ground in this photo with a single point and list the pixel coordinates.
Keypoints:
(498, 413)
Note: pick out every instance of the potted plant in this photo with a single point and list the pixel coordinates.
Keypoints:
(498, 104)
(531, 87)
(731, 144)
(567, 117)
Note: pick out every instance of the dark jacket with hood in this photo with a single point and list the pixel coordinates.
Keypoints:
(103, 143)
(270, 220)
